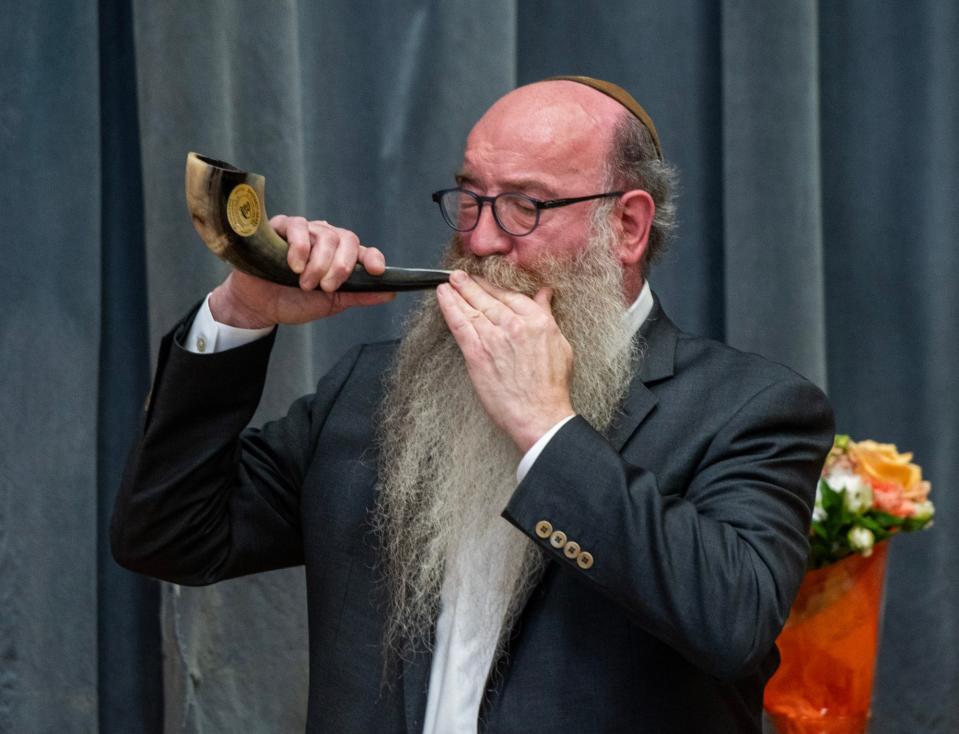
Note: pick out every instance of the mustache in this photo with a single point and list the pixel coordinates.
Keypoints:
(498, 270)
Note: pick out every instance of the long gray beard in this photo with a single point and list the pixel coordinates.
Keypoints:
(447, 472)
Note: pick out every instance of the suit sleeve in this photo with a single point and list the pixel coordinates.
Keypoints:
(713, 572)
(202, 500)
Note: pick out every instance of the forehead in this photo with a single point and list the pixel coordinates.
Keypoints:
(558, 133)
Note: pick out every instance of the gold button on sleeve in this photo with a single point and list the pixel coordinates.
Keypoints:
(544, 528)
(585, 560)
(558, 539)
(571, 550)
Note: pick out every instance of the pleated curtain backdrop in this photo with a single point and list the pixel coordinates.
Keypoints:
(817, 150)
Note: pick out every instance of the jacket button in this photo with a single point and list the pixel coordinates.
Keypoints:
(571, 550)
(544, 528)
(558, 539)
(585, 560)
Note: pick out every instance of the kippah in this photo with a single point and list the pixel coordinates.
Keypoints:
(621, 96)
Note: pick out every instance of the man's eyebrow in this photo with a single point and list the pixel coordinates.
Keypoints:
(529, 184)
(514, 184)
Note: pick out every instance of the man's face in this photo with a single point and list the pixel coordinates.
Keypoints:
(548, 141)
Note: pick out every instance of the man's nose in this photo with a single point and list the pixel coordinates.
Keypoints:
(487, 238)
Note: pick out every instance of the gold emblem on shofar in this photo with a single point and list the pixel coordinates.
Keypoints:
(243, 210)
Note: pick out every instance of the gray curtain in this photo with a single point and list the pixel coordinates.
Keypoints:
(817, 147)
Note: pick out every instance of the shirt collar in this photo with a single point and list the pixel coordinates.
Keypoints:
(639, 309)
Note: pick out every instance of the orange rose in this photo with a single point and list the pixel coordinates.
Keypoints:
(882, 464)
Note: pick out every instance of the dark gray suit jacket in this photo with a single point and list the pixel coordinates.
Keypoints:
(694, 508)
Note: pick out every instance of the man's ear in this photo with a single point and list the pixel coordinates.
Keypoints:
(636, 210)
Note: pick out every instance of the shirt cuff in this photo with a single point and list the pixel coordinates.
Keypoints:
(208, 336)
(526, 463)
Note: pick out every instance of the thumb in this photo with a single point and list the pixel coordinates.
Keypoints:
(544, 297)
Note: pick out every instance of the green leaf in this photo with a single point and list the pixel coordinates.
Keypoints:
(886, 520)
(912, 524)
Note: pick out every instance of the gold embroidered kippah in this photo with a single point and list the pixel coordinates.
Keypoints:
(620, 95)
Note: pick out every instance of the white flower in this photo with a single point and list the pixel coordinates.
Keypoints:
(818, 513)
(861, 539)
(856, 494)
(923, 510)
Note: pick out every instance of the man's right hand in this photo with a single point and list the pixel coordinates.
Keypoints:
(322, 255)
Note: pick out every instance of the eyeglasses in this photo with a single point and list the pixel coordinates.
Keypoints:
(515, 213)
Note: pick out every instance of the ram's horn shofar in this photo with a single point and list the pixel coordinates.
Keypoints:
(229, 214)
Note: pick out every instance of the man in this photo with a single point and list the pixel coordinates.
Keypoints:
(546, 507)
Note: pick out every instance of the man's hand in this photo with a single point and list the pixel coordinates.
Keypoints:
(322, 255)
(518, 360)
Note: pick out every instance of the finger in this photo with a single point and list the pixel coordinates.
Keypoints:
(454, 310)
(278, 222)
(518, 302)
(348, 300)
(297, 234)
(324, 240)
(344, 259)
(478, 332)
(478, 298)
(373, 260)
(476, 317)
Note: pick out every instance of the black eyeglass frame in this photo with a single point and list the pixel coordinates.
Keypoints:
(538, 204)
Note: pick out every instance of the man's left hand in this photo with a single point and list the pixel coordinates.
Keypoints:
(517, 358)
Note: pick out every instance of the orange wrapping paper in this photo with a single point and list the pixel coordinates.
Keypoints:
(828, 648)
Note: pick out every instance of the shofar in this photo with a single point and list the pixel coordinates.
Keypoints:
(228, 212)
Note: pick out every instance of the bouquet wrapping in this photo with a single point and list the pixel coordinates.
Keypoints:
(868, 492)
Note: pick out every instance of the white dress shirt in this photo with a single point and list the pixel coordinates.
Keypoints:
(461, 657)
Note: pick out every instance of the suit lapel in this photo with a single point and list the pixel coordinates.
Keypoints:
(657, 338)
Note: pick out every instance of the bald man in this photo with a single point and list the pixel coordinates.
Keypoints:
(545, 507)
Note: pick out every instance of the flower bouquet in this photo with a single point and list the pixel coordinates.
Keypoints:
(868, 492)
